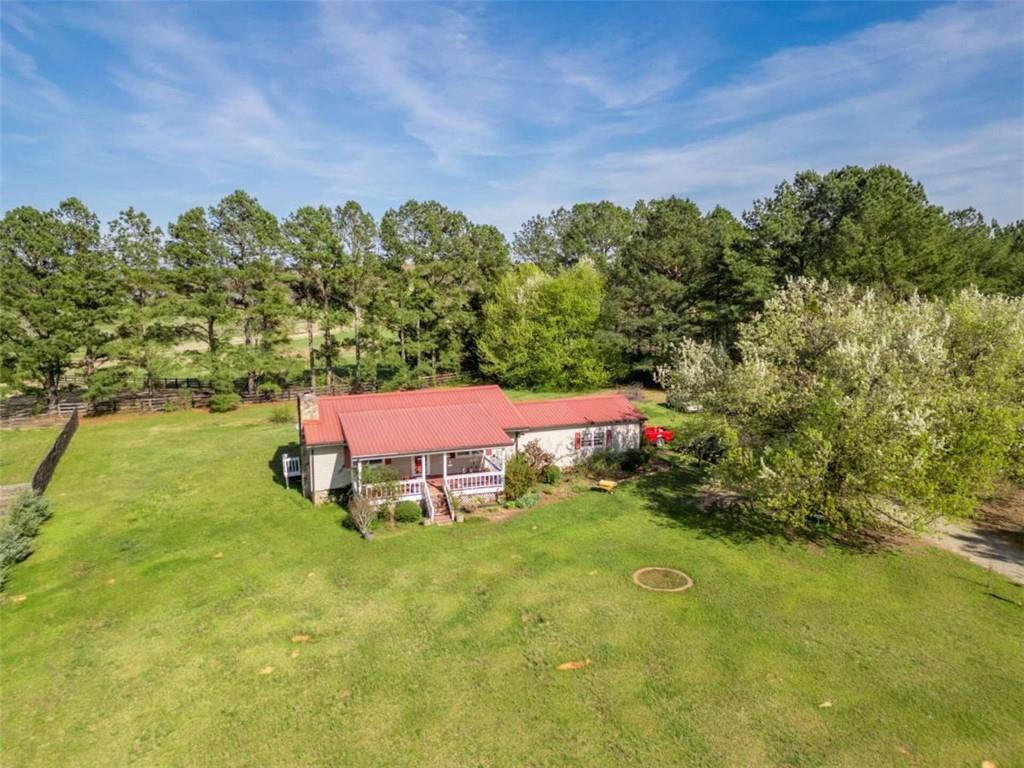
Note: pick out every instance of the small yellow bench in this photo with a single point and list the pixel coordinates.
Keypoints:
(608, 486)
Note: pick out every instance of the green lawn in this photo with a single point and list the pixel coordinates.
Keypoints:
(21, 450)
(176, 569)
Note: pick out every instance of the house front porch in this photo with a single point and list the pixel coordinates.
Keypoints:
(434, 479)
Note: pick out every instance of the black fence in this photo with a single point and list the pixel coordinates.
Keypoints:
(44, 472)
(26, 411)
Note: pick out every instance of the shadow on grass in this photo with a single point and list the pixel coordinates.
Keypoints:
(673, 496)
(276, 466)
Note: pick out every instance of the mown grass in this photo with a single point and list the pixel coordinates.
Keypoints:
(21, 450)
(176, 569)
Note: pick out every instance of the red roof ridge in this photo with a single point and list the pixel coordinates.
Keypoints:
(403, 409)
(423, 390)
(587, 396)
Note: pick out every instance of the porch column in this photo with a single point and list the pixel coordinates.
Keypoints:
(444, 467)
(359, 475)
(423, 469)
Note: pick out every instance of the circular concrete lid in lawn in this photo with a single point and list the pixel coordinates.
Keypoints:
(659, 579)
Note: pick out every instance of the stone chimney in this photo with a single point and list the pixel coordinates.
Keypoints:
(309, 406)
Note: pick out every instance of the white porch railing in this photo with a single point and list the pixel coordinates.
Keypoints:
(291, 468)
(428, 502)
(479, 482)
(407, 489)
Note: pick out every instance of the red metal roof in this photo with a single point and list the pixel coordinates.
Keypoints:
(461, 418)
(577, 411)
(416, 430)
(330, 427)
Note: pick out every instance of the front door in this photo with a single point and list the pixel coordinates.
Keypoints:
(435, 464)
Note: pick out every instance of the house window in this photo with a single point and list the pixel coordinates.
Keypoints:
(592, 440)
(467, 453)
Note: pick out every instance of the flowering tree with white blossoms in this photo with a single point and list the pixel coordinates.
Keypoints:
(853, 408)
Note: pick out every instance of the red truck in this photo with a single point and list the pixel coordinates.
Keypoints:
(658, 435)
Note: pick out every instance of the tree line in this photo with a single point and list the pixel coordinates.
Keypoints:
(582, 297)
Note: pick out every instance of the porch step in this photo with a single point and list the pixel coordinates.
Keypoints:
(442, 514)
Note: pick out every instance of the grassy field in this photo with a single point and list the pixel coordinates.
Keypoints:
(154, 626)
(21, 450)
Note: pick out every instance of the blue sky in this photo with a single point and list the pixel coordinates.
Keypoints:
(503, 110)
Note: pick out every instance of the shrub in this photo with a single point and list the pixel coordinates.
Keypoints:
(550, 474)
(26, 513)
(537, 457)
(601, 463)
(385, 482)
(223, 402)
(408, 512)
(281, 415)
(519, 476)
(362, 513)
(525, 501)
(633, 459)
(707, 449)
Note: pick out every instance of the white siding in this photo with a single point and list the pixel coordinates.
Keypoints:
(328, 467)
(561, 443)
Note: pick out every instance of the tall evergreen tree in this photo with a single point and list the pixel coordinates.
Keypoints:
(588, 231)
(38, 335)
(96, 282)
(251, 238)
(144, 334)
(440, 266)
(681, 275)
(363, 283)
(198, 274)
(862, 226)
(59, 294)
(317, 263)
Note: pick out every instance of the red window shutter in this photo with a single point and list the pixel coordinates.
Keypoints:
(387, 461)
(578, 439)
(348, 458)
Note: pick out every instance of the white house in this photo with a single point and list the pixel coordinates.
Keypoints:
(445, 443)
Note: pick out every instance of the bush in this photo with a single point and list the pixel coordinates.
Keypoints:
(281, 415)
(24, 517)
(362, 513)
(633, 459)
(519, 476)
(223, 402)
(550, 474)
(707, 449)
(408, 512)
(601, 463)
(525, 501)
(537, 457)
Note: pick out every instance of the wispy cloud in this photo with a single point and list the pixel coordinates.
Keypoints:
(616, 77)
(431, 67)
(381, 103)
(872, 97)
(926, 56)
(26, 73)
